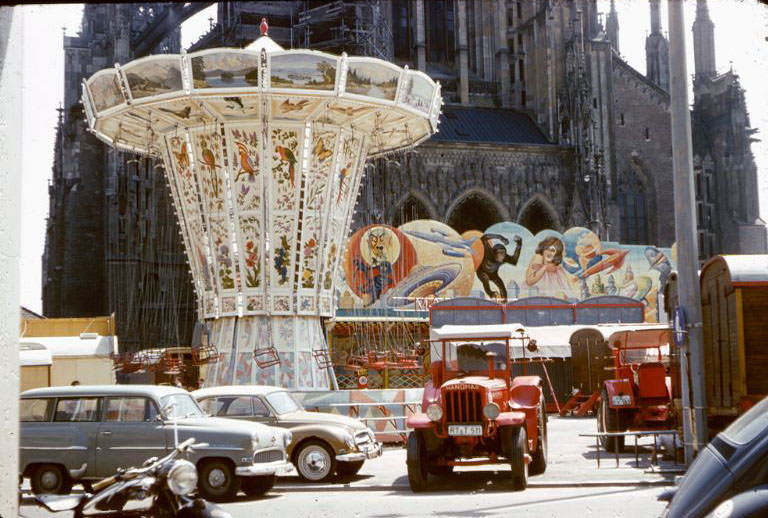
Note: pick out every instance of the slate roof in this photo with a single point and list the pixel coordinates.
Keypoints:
(487, 125)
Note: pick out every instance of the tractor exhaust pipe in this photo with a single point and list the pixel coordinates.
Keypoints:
(491, 364)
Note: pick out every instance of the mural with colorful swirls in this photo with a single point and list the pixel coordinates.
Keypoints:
(386, 267)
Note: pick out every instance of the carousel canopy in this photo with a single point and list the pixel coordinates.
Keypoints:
(132, 106)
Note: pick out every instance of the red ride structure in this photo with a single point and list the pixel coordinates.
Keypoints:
(473, 412)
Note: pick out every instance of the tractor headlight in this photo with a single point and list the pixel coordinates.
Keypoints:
(182, 477)
(491, 411)
(434, 412)
(621, 400)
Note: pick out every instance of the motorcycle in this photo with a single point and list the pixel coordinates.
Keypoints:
(159, 489)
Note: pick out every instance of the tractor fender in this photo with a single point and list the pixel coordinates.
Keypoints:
(619, 387)
(525, 392)
(511, 419)
(418, 421)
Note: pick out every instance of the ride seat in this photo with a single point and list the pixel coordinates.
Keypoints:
(651, 380)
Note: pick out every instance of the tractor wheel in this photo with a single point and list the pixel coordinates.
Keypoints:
(441, 471)
(539, 461)
(514, 446)
(417, 462)
(609, 420)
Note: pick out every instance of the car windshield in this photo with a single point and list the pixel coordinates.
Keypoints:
(640, 355)
(749, 425)
(283, 402)
(182, 406)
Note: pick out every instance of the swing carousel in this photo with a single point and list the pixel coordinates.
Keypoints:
(264, 150)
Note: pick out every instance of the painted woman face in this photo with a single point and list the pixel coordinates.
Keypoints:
(549, 253)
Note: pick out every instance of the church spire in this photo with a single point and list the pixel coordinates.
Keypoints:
(612, 27)
(703, 41)
(657, 50)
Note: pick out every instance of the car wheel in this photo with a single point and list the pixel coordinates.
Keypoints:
(349, 469)
(315, 462)
(50, 479)
(539, 461)
(514, 444)
(217, 480)
(417, 462)
(258, 486)
(609, 420)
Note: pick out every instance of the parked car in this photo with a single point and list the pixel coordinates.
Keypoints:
(85, 433)
(323, 444)
(729, 478)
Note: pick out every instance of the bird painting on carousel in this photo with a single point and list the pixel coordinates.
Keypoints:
(343, 174)
(209, 160)
(286, 155)
(248, 165)
(182, 157)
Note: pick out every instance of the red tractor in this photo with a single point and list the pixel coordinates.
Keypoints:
(473, 413)
(639, 395)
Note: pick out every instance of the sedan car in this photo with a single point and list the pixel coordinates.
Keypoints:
(729, 478)
(323, 444)
(85, 433)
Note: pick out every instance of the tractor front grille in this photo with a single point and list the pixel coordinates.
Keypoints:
(463, 404)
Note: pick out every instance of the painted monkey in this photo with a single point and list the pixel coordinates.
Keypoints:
(493, 257)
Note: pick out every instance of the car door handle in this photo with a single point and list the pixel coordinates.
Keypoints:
(106, 432)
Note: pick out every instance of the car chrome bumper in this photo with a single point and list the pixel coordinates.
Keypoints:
(369, 453)
(266, 468)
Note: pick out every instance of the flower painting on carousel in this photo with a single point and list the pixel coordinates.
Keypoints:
(392, 268)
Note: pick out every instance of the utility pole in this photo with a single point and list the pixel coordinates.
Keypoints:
(685, 233)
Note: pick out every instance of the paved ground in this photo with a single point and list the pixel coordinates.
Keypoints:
(572, 486)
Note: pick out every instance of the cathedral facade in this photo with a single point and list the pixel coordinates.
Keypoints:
(544, 124)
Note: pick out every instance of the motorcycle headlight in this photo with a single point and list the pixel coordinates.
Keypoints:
(434, 412)
(182, 477)
(491, 411)
(287, 438)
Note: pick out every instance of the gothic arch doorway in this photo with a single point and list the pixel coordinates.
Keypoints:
(410, 209)
(538, 215)
(474, 211)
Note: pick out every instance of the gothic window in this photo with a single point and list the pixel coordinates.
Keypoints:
(536, 217)
(440, 31)
(401, 29)
(632, 210)
(411, 209)
(474, 212)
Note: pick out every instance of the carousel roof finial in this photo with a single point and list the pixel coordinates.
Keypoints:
(264, 27)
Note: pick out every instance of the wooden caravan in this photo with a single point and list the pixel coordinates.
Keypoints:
(734, 305)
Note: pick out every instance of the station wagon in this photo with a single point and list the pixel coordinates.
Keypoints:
(83, 433)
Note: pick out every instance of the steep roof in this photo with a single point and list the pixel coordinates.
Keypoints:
(487, 125)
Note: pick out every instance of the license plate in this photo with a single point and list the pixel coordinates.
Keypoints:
(465, 429)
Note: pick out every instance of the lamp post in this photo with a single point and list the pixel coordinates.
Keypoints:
(685, 233)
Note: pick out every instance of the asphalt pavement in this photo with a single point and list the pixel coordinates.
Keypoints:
(572, 486)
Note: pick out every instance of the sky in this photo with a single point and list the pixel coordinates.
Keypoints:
(741, 29)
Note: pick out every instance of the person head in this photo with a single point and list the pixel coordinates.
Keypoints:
(75, 383)
(551, 249)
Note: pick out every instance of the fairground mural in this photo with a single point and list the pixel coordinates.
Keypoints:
(405, 268)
